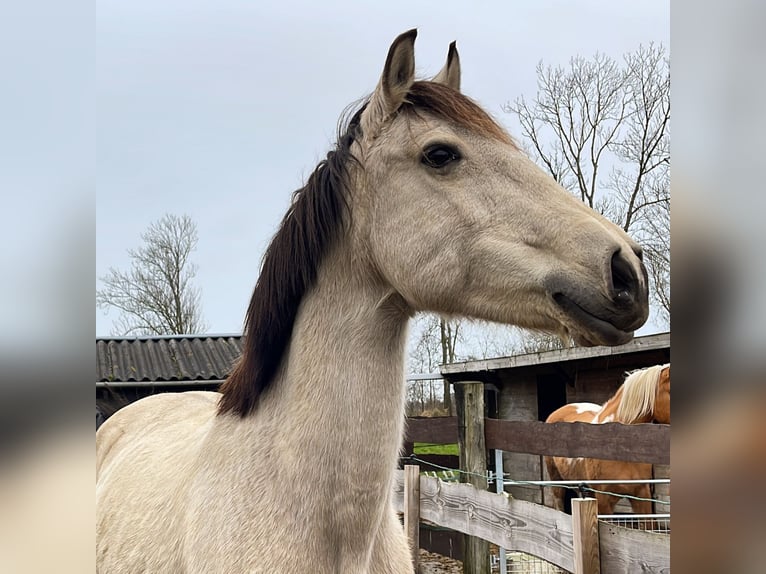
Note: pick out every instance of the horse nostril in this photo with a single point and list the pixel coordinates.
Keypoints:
(624, 280)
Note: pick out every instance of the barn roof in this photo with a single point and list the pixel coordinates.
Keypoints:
(172, 358)
(463, 371)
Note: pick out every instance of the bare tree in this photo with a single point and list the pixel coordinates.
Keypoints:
(536, 342)
(448, 334)
(436, 345)
(602, 130)
(484, 339)
(156, 296)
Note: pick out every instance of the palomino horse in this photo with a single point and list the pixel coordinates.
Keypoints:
(643, 397)
(425, 204)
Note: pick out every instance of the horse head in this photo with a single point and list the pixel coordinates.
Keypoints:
(455, 218)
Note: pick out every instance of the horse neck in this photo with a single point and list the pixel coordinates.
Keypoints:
(608, 412)
(342, 387)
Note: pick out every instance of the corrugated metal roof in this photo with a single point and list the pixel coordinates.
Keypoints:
(172, 358)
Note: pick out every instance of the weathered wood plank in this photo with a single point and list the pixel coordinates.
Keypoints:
(633, 443)
(626, 550)
(472, 368)
(509, 523)
(526, 527)
(585, 532)
(613, 441)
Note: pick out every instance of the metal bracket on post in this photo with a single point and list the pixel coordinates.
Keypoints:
(500, 488)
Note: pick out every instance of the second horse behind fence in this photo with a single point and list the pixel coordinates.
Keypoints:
(644, 397)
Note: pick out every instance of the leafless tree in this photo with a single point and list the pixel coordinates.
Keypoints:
(156, 296)
(602, 130)
(448, 334)
(536, 342)
(483, 340)
(436, 345)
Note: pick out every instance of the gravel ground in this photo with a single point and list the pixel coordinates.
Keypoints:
(431, 563)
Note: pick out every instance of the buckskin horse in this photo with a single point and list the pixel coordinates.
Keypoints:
(424, 204)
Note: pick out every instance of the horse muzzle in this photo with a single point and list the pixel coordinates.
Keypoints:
(609, 314)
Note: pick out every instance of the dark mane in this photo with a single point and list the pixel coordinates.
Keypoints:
(313, 222)
(316, 219)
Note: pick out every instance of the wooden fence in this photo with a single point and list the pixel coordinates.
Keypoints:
(528, 527)
(613, 441)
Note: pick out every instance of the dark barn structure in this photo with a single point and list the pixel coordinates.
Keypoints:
(130, 368)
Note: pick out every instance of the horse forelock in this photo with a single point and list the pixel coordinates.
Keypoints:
(639, 392)
(452, 106)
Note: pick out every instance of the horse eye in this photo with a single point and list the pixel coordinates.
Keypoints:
(439, 156)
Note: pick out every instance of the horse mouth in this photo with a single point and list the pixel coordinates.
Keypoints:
(589, 330)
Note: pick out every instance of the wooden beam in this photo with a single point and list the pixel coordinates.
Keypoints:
(613, 441)
(437, 430)
(454, 371)
(585, 536)
(469, 398)
(412, 511)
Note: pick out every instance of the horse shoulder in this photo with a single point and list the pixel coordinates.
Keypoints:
(147, 454)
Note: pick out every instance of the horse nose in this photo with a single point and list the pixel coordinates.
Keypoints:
(626, 290)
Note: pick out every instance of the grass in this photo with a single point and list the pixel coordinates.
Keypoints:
(427, 448)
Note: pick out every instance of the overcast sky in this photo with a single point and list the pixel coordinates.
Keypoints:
(220, 109)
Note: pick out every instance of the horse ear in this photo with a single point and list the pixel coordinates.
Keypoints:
(449, 75)
(398, 76)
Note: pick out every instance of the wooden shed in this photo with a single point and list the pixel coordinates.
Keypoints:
(529, 387)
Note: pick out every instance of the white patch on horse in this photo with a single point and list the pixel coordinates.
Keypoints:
(586, 408)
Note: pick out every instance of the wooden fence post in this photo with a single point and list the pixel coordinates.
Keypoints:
(587, 558)
(469, 399)
(412, 510)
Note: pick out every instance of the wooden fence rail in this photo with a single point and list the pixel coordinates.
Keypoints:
(527, 527)
(614, 441)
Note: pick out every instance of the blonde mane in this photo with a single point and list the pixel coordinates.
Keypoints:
(639, 392)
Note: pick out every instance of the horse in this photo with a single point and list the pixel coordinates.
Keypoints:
(643, 397)
(424, 204)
